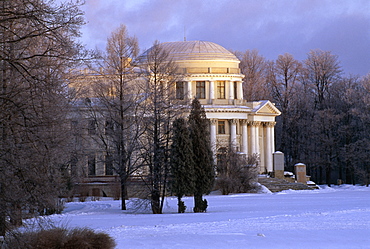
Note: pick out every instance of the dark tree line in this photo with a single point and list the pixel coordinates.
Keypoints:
(325, 114)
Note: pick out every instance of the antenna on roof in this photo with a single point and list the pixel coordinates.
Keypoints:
(184, 33)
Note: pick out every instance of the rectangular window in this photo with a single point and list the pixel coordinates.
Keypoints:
(235, 90)
(74, 161)
(109, 127)
(92, 127)
(220, 89)
(221, 127)
(201, 90)
(180, 89)
(108, 165)
(91, 165)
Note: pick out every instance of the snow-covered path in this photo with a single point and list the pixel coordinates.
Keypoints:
(327, 218)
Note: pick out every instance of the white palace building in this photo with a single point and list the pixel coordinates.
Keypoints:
(212, 74)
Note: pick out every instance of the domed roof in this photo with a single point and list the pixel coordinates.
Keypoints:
(197, 50)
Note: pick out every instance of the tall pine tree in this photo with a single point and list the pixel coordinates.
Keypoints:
(182, 163)
(203, 157)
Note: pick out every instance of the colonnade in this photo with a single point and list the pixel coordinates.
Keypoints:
(256, 138)
(212, 89)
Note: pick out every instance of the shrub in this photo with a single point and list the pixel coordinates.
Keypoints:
(181, 207)
(59, 238)
(237, 173)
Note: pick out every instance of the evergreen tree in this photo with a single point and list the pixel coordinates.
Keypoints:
(182, 163)
(203, 157)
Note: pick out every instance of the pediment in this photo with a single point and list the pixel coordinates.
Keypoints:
(266, 107)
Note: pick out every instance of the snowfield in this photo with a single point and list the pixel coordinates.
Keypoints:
(337, 217)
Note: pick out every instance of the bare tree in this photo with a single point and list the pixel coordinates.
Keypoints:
(352, 98)
(284, 79)
(236, 173)
(36, 49)
(116, 113)
(253, 66)
(159, 78)
(322, 70)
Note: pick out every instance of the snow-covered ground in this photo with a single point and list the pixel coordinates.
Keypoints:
(337, 217)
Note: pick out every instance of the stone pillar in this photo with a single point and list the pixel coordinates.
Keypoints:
(278, 159)
(190, 93)
(300, 173)
(255, 137)
(231, 90)
(245, 136)
(268, 148)
(211, 91)
(272, 135)
(213, 137)
(233, 132)
(239, 90)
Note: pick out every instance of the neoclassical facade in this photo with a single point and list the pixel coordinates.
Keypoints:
(208, 72)
(212, 74)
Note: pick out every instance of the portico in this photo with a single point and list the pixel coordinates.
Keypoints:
(212, 74)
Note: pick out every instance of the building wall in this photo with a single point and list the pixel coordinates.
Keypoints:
(249, 126)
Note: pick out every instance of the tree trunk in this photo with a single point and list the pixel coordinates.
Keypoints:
(16, 216)
(2, 222)
(198, 203)
(179, 210)
(156, 207)
(328, 174)
(124, 196)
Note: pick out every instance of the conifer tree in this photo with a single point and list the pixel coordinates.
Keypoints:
(182, 163)
(203, 158)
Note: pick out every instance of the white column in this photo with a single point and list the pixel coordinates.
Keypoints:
(272, 130)
(268, 148)
(213, 137)
(211, 91)
(255, 137)
(233, 132)
(245, 136)
(190, 93)
(231, 90)
(239, 90)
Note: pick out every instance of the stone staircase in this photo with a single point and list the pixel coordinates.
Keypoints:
(277, 185)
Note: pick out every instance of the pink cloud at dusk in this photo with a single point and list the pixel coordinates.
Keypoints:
(272, 27)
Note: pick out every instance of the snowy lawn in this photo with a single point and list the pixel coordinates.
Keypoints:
(337, 217)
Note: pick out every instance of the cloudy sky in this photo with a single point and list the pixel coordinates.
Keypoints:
(272, 27)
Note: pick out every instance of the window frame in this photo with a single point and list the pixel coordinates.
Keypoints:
(180, 90)
(200, 92)
(221, 127)
(91, 165)
(221, 87)
(92, 126)
(109, 165)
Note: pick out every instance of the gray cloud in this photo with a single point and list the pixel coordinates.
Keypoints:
(271, 26)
